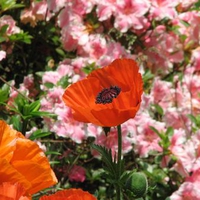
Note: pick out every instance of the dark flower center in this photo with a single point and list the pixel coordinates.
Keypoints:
(107, 95)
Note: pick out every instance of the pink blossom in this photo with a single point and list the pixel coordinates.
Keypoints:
(185, 4)
(146, 139)
(189, 190)
(93, 130)
(10, 22)
(163, 9)
(164, 48)
(130, 14)
(186, 151)
(2, 55)
(82, 7)
(106, 8)
(162, 93)
(114, 50)
(195, 59)
(51, 77)
(74, 32)
(96, 47)
(176, 118)
(192, 31)
(65, 125)
(56, 5)
(77, 174)
(64, 69)
(36, 12)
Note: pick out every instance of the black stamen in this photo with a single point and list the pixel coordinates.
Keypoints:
(107, 95)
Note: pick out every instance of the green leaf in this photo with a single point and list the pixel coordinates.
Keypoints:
(192, 118)
(42, 114)
(3, 29)
(158, 109)
(39, 134)
(169, 131)
(89, 68)
(107, 158)
(9, 4)
(64, 81)
(52, 153)
(16, 122)
(154, 129)
(34, 106)
(4, 94)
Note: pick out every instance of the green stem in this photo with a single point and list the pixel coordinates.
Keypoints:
(119, 161)
(24, 126)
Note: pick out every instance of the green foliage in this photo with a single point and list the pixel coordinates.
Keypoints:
(21, 37)
(4, 94)
(8, 5)
(195, 122)
(89, 68)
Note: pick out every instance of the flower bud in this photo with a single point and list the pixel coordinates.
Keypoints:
(136, 184)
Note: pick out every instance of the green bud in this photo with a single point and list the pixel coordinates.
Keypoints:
(136, 184)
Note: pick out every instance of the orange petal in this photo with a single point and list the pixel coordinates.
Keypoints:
(70, 194)
(27, 163)
(40, 176)
(9, 191)
(31, 161)
(9, 174)
(7, 141)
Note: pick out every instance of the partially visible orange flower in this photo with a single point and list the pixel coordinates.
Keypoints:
(70, 194)
(108, 96)
(23, 162)
(9, 191)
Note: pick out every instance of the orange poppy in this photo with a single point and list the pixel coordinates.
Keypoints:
(9, 191)
(108, 96)
(70, 194)
(23, 162)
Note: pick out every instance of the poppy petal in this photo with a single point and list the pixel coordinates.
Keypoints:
(122, 74)
(9, 191)
(70, 194)
(7, 141)
(9, 174)
(29, 157)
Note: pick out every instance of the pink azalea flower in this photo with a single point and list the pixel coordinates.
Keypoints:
(2, 55)
(51, 77)
(195, 59)
(189, 190)
(176, 118)
(192, 31)
(56, 5)
(38, 11)
(8, 20)
(130, 14)
(114, 50)
(186, 152)
(106, 8)
(163, 9)
(65, 125)
(162, 93)
(77, 174)
(185, 4)
(146, 139)
(164, 48)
